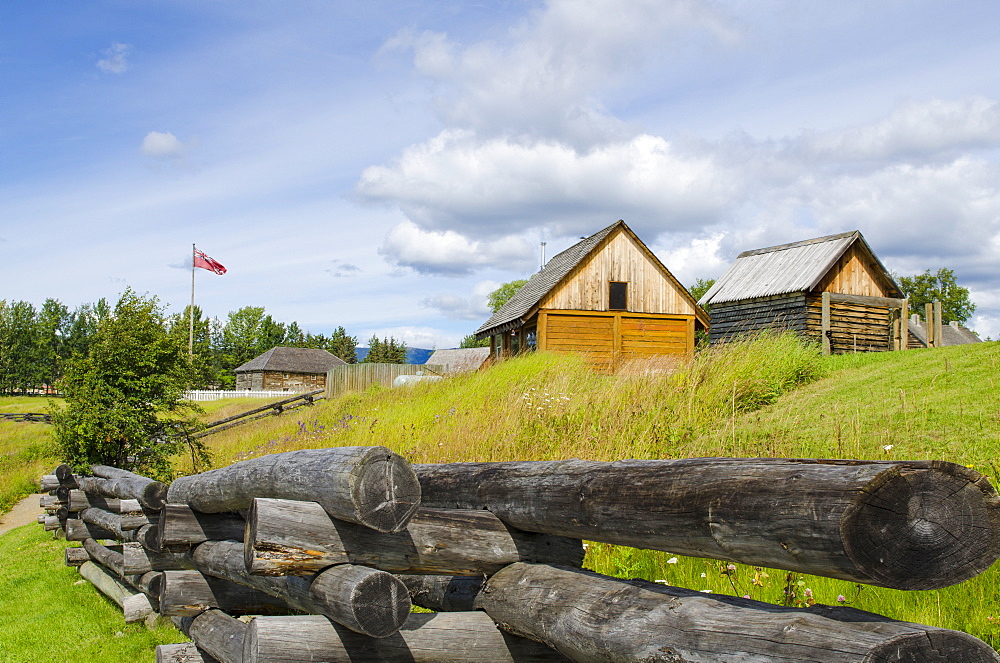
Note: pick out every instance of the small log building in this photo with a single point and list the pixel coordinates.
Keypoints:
(608, 297)
(287, 369)
(832, 289)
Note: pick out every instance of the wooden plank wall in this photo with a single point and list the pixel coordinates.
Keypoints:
(608, 338)
(856, 273)
(734, 319)
(854, 327)
(358, 377)
(621, 259)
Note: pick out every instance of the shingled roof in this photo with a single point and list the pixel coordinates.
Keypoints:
(786, 268)
(292, 360)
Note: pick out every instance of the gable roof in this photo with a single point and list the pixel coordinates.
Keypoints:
(786, 268)
(519, 308)
(460, 360)
(292, 360)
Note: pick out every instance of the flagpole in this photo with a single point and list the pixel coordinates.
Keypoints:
(191, 310)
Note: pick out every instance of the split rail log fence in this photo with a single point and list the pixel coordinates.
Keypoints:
(354, 536)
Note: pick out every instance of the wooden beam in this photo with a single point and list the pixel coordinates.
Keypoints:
(370, 486)
(458, 637)
(570, 610)
(289, 537)
(824, 325)
(865, 300)
(218, 634)
(906, 525)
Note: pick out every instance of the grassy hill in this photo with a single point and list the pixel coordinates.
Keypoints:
(774, 397)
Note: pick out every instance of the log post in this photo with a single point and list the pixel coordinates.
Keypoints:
(76, 556)
(905, 525)
(594, 618)
(135, 606)
(184, 652)
(218, 634)
(444, 593)
(101, 518)
(128, 485)
(137, 559)
(78, 530)
(362, 599)
(369, 486)
(180, 525)
(287, 537)
(188, 593)
(108, 557)
(458, 637)
(48, 482)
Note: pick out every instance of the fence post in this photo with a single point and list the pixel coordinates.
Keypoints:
(824, 325)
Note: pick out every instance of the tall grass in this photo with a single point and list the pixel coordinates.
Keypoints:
(26, 451)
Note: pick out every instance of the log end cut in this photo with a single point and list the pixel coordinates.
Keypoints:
(385, 491)
(923, 527)
(934, 647)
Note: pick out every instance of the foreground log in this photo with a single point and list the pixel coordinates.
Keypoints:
(184, 652)
(180, 525)
(461, 637)
(287, 537)
(78, 530)
(137, 559)
(218, 634)
(369, 486)
(110, 557)
(52, 523)
(444, 593)
(589, 617)
(128, 485)
(364, 600)
(188, 593)
(76, 556)
(135, 605)
(906, 525)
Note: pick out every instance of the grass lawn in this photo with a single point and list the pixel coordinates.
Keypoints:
(47, 615)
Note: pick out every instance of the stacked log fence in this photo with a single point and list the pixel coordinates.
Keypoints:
(320, 555)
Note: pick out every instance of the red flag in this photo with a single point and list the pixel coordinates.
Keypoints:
(212, 265)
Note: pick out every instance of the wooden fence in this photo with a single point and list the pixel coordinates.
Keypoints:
(269, 410)
(203, 395)
(354, 536)
(358, 377)
(28, 416)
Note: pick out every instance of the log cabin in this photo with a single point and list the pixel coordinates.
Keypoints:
(607, 297)
(287, 369)
(832, 289)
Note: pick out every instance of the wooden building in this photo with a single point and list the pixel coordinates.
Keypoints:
(833, 289)
(608, 297)
(287, 369)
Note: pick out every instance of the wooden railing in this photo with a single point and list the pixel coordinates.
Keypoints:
(353, 536)
(269, 410)
(28, 416)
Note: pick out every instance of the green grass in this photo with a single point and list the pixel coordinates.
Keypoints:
(48, 616)
(26, 450)
(773, 397)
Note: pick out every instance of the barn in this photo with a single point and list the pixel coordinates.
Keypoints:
(833, 289)
(607, 297)
(287, 369)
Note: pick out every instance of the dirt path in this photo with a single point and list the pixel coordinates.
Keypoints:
(24, 512)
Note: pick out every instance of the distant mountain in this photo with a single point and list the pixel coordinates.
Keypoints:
(413, 355)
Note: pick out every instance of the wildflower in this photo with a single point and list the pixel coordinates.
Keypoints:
(808, 593)
(672, 560)
(662, 582)
(746, 596)
(841, 598)
(706, 591)
(888, 447)
(731, 567)
(704, 575)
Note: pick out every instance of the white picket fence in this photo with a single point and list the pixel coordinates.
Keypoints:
(219, 394)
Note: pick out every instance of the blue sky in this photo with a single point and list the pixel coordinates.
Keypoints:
(384, 165)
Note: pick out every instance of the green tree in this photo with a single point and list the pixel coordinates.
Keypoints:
(52, 332)
(502, 295)
(928, 287)
(700, 287)
(471, 341)
(385, 351)
(21, 367)
(248, 332)
(123, 401)
(204, 364)
(343, 346)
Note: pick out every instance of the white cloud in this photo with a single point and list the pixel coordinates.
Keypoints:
(484, 188)
(700, 258)
(914, 130)
(458, 307)
(162, 145)
(115, 60)
(541, 77)
(449, 253)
